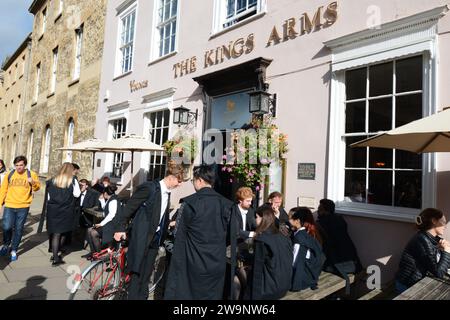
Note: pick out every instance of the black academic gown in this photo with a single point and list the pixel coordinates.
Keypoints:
(145, 207)
(272, 269)
(306, 271)
(197, 267)
(60, 209)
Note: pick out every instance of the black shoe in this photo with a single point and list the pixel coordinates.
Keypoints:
(58, 262)
(87, 256)
(59, 257)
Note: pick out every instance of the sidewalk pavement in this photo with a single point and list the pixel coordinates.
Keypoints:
(32, 276)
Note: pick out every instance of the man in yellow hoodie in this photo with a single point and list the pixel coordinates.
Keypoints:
(16, 193)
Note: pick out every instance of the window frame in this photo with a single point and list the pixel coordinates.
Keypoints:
(79, 37)
(158, 155)
(220, 12)
(53, 75)
(46, 149)
(30, 147)
(336, 176)
(111, 136)
(36, 85)
(44, 14)
(70, 138)
(154, 55)
(133, 7)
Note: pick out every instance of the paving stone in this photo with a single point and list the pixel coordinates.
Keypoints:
(23, 274)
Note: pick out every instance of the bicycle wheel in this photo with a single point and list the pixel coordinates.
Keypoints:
(99, 281)
(159, 268)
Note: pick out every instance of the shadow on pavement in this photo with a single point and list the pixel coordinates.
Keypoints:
(32, 289)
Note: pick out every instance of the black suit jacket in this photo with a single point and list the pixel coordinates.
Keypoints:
(250, 224)
(90, 199)
(144, 207)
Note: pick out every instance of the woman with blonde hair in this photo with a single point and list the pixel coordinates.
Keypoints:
(62, 191)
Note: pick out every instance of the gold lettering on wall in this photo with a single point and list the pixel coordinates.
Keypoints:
(135, 86)
(291, 29)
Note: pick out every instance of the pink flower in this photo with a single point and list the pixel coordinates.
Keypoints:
(257, 188)
(229, 169)
(224, 169)
(231, 180)
(224, 157)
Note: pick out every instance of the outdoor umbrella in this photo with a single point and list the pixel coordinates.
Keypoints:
(91, 145)
(130, 143)
(430, 134)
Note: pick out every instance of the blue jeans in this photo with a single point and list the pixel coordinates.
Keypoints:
(13, 218)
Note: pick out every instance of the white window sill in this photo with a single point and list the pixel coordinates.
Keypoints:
(123, 75)
(237, 25)
(377, 212)
(162, 58)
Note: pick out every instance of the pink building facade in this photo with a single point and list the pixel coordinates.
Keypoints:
(341, 71)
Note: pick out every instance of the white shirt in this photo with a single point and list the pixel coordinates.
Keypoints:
(243, 216)
(112, 211)
(297, 247)
(82, 196)
(164, 200)
(244, 221)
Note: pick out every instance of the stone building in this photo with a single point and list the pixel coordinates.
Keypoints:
(64, 77)
(13, 101)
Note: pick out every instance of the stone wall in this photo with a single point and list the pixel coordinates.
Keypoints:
(76, 99)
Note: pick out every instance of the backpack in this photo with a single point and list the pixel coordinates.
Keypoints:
(11, 173)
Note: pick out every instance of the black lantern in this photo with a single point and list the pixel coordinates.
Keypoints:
(261, 103)
(181, 115)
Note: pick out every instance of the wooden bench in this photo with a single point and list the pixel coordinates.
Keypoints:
(427, 289)
(328, 284)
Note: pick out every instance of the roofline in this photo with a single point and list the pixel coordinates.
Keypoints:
(17, 53)
(35, 6)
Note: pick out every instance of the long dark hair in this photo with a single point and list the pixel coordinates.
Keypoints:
(3, 168)
(267, 215)
(306, 218)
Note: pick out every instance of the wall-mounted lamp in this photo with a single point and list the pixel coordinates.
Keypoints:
(261, 102)
(181, 116)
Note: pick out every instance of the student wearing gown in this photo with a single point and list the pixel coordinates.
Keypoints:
(198, 264)
(62, 191)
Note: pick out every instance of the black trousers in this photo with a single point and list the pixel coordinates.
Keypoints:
(138, 289)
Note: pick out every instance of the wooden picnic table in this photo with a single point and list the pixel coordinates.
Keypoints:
(97, 214)
(427, 289)
(328, 284)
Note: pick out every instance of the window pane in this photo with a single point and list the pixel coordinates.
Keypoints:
(380, 115)
(380, 158)
(408, 108)
(355, 83)
(241, 5)
(165, 135)
(380, 187)
(408, 189)
(409, 74)
(230, 8)
(407, 160)
(355, 185)
(355, 117)
(381, 77)
(174, 7)
(355, 157)
(167, 11)
(166, 117)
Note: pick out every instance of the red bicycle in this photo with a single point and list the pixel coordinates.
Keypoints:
(105, 278)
